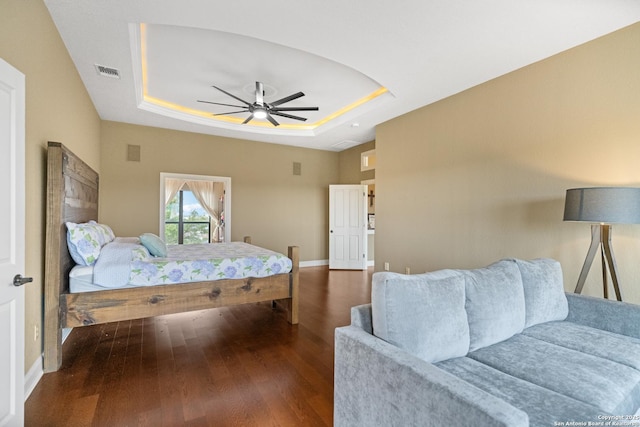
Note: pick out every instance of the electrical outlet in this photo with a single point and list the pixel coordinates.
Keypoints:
(407, 270)
(386, 266)
(36, 332)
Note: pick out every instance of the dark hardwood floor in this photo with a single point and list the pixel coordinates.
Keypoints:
(233, 366)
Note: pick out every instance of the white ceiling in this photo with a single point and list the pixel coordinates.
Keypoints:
(169, 54)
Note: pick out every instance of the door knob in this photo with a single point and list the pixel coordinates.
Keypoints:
(18, 280)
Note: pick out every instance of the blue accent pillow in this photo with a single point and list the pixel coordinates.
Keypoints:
(154, 244)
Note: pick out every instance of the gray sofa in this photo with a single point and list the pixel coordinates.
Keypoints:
(496, 346)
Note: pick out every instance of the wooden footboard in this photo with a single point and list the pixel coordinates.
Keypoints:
(89, 308)
(72, 195)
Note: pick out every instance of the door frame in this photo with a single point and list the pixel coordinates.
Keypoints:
(370, 231)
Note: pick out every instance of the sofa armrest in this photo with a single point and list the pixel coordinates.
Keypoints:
(377, 384)
(613, 316)
(361, 317)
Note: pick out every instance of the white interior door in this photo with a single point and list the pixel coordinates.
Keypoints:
(12, 98)
(348, 227)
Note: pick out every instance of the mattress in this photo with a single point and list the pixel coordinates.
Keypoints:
(183, 264)
(81, 280)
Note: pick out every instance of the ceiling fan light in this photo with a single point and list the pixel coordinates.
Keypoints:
(260, 113)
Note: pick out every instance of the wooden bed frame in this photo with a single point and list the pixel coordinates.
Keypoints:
(72, 195)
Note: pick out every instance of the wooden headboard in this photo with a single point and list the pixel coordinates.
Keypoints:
(72, 196)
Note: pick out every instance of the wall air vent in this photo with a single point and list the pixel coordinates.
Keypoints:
(108, 71)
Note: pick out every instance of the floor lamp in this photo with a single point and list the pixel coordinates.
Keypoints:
(602, 206)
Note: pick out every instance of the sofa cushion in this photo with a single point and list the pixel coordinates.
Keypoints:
(423, 314)
(544, 298)
(494, 303)
(543, 406)
(615, 347)
(608, 385)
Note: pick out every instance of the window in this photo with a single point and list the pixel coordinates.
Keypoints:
(368, 160)
(186, 221)
(194, 208)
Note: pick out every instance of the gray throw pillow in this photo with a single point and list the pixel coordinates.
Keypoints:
(423, 314)
(544, 297)
(494, 303)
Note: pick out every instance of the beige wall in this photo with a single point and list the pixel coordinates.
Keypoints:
(482, 175)
(57, 109)
(349, 159)
(268, 202)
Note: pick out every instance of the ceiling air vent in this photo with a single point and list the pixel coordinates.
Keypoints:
(343, 145)
(108, 71)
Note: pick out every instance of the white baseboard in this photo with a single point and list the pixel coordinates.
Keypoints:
(315, 263)
(32, 377)
(320, 262)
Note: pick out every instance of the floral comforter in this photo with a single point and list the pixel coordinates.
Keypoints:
(203, 262)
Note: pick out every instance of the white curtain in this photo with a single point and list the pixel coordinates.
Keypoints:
(171, 188)
(208, 193)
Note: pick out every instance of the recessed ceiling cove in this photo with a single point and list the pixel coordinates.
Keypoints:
(176, 68)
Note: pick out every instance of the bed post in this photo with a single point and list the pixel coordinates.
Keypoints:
(72, 195)
(52, 283)
(294, 255)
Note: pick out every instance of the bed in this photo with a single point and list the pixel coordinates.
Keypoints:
(72, 196)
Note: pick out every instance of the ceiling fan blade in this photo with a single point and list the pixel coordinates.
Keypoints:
(248, 119)
(286, 99)
(231, 95)
(272, 120)
(289, 116)
(231, 112)
(259, 93)
(295, 109)
(218, 103)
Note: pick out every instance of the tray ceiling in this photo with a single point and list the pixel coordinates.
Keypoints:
(362, 63)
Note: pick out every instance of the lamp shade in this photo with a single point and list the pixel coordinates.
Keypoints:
(619, 205)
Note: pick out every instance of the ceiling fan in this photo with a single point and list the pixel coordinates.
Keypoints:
(262, 110)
